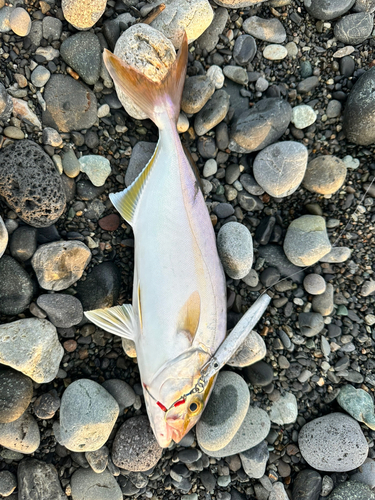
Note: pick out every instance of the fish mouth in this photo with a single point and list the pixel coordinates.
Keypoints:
(177, 427)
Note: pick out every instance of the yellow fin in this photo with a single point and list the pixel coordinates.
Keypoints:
(126, 201)
(189, 316)
(139, 305)
(118, 320)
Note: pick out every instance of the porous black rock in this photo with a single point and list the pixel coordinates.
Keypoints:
(30, 184)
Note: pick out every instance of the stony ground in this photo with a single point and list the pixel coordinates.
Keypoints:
(64, 147)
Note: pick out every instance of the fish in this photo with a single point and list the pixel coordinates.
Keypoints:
(177, 319)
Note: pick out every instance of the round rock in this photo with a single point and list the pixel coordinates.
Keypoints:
(40, 76)
(279, 169)
(23, 243)
(46, 405)
(197, 91)
(310, 323)
(135, 447)
(16, 291)
(88, 414)
(275, 52)
(83, 14)
(39, 199)
(303, 116)
(89, 485)
(269, 30)
(307, 485)
(325, 175)
(59, 264)
(284, 411)
(225, 411)
(259, 374)
(244, 49)
(121, 391)
(39, 480)
(62, 310)
(16, 391)
(212, 113)
(306, 240)
(314, 284)
(21, 435)
(235, 247)
(253, 349)
(82, 52)
(326, 10)
(254, 460)
(354, 28)
(333, 443)
(8, 483)
(20, 21)
(101, 288)
(97, 168)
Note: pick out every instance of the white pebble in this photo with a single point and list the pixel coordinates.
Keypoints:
(103, 111)
(303, 116)
(215, 74)
(182, 123)
(275, 52)
(210, 168)
(350, 162)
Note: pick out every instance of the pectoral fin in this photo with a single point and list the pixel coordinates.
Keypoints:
(189, 316)
(118, 320)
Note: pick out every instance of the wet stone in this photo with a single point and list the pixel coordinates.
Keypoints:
(236, 74)
(121, 391)
(366, 474)
(308, 84)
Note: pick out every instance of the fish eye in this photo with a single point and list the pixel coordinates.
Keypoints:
(194, 407)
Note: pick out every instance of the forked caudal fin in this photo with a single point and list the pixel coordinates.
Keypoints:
(154, 98)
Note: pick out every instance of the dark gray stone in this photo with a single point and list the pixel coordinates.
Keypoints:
(244, 49)
(347, 66)
(82, 52)
(310, 324)
(6, 104)
(197, 91)
(254, 460)
(23, 243)
(62, 310)
(308, 84)
(275, 256)
(364, 6)
(212, 113)
(70, 104)
(208, 480)
(87, 191)
(354, 28)
(101, 288)
(248, 202)
(223, 210)
(46, 405)
(269, 30)
(16, 290)
(209, 39)
(307, 485)
(16, 391)
(352, 490)
(260, 126)
(30, 184)
(207, 147)
(38, 480)
(259, 374)
(328, 9)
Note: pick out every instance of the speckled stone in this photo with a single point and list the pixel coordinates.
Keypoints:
(21, 435)
(327, 10)
(8, 483)
(325, 174)
(16, 391)
(17, 289)
(366, 473)
(285, 410)
(307, 485)
(358, 403)
(82, 52)
(314, 284)
(352, 490)
(89, 485)
(235, 247)
(38, 480)
(333, 443)
(83, 14)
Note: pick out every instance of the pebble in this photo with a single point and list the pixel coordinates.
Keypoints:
(21, 435)
(46, 405)
(253, 430)
(135, 447)
(366, 473)
(334, 109)
(16, 291)
(358, 403)
(190, 16)
(333, 443)
(82, 52)
(337, 255)
(40, 76)
(121, 391)
(244, 49)
(5, 13)
(31, 346)
(236, 74)
(16, 392)
(292, 49)
(40, 199)
(347, 66)
(314, 284)
(224, 413)
(210, 168)
(197, 91)
(39, 480)
(62, 310)
(3, 237)
(269, 30)
(149, 51)
(24, 113)
(310, 323)
(325, 174)
(210, 37)
(14, 133)
(259, 374)
(70, 105)
(285, 410)
(6, 104)
(8, 483)
(306, 69)
(323, 303)
(235, 248)
(101, 287)
(97, 168)
(20, 21)
(368, 288)
(70, 163)
(83, 14)
(51, 137)
(59, 264)
(320, 9)
(237, 4)
(279, 168)
(275, 52)
(215, 73)
(253, 349)
(303, 116)
(254, 460)
(307, 485)
(88, 414)
(353, 490)
(212, 113)
(307, 85)
(52, 27)
(98, 459)
(260, 126)
(110, 222)
(89, 485)
(354, 28)
(306, 240)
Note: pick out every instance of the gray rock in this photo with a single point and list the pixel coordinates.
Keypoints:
(62, 310)
(334, 108)
(260, 126)
(209, 39)
(303, 116)
(275, 256)
(368, 288)
(51, 137)
(5, 13)
(259, 374)
(16, 392)
(333, 443)
(88, 485)
(141, 155)
(96, 167)
(337, 255)
(237, 4)
(40, 75)
(135, 447)
(88, 414)
(31, 346)
(354, 28)
(236, 74)
(70, 105)
(235, 247)
(36, 33)
(285, 410)
(279, 169)
(38, 480)
(212, 113)
(71, 165)
(321, 9)
(8, 483)
(254, 460)
(269, 30)
(310, 324)
(6, 105)
(359, 114)
(250, 185)
(253, 349)
(323, 303)
(39, 199)
(325, 174)
(308, 84)
(366, 474)
(358, 403)
(46, 405)
(121, 391)
(197, 91)
(82, 52)
(16, 291)
(314, 284)
(306, 240)
(364, 6)
(224, 413)
(83, 14)
(307, 485)
(21, 435)
(244, 49)
(254, 429)
(101, 288)
(59, 264)
(52, 27)
(352, 490)
(98, 459)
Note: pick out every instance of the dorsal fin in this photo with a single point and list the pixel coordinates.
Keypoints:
(189, 316)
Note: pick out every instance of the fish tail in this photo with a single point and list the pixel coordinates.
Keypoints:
(154, 98)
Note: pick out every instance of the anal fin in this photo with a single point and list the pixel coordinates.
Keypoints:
(118, 320)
